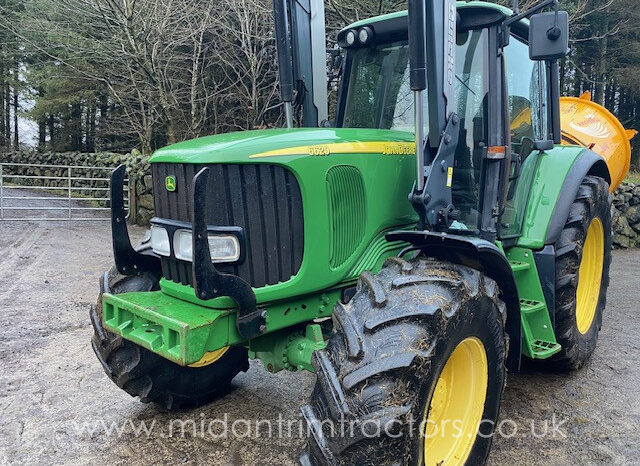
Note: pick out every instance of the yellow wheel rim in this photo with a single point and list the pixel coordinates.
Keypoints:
(210, 357)
(590, 276)
(457, 405)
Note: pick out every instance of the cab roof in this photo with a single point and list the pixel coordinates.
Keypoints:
(399, 18)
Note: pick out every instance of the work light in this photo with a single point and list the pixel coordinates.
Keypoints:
(350, 37)
(364, 35)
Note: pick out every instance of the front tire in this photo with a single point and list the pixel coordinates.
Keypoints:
(583, 257)
(420, 345)
(149, 376)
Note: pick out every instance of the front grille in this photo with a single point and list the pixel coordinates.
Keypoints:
(264, 200)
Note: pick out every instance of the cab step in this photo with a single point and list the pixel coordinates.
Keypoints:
(544, 349)
(539, 340)
(519, 266)
(530, 306)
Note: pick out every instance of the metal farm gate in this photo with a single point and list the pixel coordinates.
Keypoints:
(55, 192)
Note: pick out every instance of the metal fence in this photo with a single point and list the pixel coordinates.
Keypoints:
(55, 192)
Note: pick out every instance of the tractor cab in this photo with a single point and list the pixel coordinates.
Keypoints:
(376, 93)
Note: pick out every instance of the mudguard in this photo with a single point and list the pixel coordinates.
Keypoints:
(481, 255)
(587, 163)
(558, 174)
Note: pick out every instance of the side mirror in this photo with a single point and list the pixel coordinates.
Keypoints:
(549, 35)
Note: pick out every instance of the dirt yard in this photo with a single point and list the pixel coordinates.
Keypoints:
(57, 405)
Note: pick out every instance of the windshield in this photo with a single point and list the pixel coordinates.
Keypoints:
(379, 96)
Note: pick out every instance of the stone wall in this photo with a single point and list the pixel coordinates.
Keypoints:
(137, 166)
(626, 216)
(102, 159)
(140, 172)
(98, 159)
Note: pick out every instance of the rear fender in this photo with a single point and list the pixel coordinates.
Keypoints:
(481, 255)
(558, 175)
(588, 163)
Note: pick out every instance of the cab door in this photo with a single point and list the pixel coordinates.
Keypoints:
(527, 105)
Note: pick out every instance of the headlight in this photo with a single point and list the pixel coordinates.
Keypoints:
(224, 248)
(160, 241)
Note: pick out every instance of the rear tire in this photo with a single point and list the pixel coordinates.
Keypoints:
(149, 376)
(577, 323)
(383, 363)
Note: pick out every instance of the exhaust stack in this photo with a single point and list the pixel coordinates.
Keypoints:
(302, 59)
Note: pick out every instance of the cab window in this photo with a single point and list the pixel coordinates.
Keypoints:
(527, 97)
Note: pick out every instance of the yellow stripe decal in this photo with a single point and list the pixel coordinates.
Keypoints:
(319, 150)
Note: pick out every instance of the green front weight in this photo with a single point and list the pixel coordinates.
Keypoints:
(183, 332)
(179, 331)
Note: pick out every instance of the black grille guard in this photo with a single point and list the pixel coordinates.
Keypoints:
(128, 260)
(207, 281)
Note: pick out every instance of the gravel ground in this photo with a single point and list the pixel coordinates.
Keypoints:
(57, 404)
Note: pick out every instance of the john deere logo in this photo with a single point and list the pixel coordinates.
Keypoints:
(170, 183)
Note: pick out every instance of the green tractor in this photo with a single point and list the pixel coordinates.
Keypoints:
(408, 253)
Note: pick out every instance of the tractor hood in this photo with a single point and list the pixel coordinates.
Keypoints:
(245, 146)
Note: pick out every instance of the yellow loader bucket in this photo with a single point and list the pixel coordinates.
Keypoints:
(588, 124)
